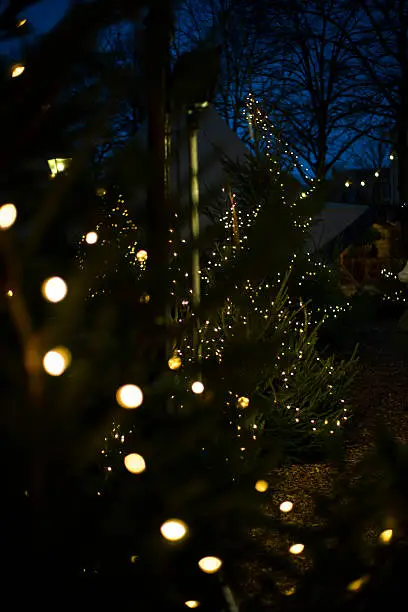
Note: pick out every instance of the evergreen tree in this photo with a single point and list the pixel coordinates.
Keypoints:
(168, 521)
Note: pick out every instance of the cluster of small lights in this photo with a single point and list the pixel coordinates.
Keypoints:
(397, 294)
(266, 128)
(237, 223)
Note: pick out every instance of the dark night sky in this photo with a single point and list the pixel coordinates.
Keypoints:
(45, 14)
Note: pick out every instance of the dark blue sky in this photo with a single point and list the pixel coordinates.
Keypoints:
(45, 14)
(42, 16)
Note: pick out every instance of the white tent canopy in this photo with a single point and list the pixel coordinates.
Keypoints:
(217, 141)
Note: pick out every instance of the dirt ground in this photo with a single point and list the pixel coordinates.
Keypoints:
(379, 396)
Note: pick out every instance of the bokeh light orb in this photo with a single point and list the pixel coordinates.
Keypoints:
(210, 565)
(141, 256)
(174, 362)
(296, 549)
(8, 215)
(286, 506)
(261, 486)
(243, 402)
(197, 387)
(174, 530)
(56, 361)
(129, 396)
(135, 463)
(54, 289)
(16, 70)
(385, 536)
(91, 238)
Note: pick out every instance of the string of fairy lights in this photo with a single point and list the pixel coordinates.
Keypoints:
(213, 335)
(130, 396)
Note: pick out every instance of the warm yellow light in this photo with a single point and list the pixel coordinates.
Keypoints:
(303, 194)
(243, 402)
(173, 530)
(357, 584)
(129, 396)
(141, 256)
(286, 506)
(296, 549)
(21, 22)
(362, 183)
(289, 591)
(135, 463)
(56, 361)
(391, 157)
(347, 183)
(197, 387)
(385, 536)
(59, 164)
(144, 299)
(10, 293)
(376, 174)
(101, 191)
(174, 362)
(210, 565)
(8, 215)
(261, 486)
(16, 70)
(91, 237)
(192, 603)
(54, 289)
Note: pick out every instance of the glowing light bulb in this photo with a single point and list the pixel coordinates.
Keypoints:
(8, 215)
(129, 396)
(243, 402)
(210, 565)
(192, 603)
(286, 506)
(347, 183)
(261, 486)
(141, 256)
(91, 237)
(101, 191)
(391, 156)
(197, 387)
(376, 174)
(56, 361)
(10, 293)
(362, 183)
(174, 362)
(296, 549)
(135, 463)
(54, 289)
(21, 22)
(357, 584)
(60, 166)
(16, 70)
(173, 530)
(385, 536)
